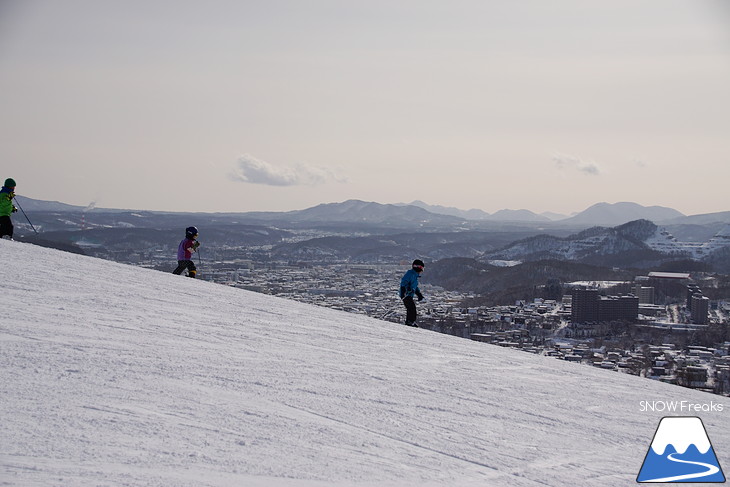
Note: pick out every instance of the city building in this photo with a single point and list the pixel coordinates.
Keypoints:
(584, 305)
(588, 306)
(644, 293)
(692, 290)
(613, 308)
(700, 309)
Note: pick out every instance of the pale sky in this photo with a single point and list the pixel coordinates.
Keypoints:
(279, 105)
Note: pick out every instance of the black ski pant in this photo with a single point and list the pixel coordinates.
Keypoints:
(410, 310)
(6, 226)
(185, 264)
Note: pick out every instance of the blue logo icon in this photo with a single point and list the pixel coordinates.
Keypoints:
(681, 452)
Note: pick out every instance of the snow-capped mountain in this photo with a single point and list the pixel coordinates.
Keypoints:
(663, 241)
(633, 240)
(584, 245)
(118, 375)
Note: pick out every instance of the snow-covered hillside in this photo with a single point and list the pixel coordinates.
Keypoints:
(631, 237)
(665, 242)
(116, 375)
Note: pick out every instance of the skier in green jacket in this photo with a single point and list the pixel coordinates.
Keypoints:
(7, 193)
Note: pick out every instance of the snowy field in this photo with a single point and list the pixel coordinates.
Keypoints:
(112, 375)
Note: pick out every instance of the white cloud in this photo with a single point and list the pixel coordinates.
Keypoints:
(568, 162)
(255, 171)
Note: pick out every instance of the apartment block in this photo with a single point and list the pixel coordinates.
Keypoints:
(700, 309)
(590, 307)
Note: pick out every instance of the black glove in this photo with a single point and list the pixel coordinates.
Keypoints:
(420, 296)
(402, 292)
(14, 209)
(196, 245)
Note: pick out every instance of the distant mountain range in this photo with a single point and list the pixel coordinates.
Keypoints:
(620, 213)
(366, 232)
(34, 205)
(419, 215)
(475, 214)
(354, 211)
(598, 214)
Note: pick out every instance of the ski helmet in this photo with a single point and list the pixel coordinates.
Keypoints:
(9, 183)
(418, 265)
(191, 232)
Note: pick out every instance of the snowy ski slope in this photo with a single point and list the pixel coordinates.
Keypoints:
(114, 375)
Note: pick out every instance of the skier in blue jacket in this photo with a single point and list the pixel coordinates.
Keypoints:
(409, 289)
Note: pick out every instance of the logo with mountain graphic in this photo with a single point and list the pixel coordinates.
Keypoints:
(681, 452)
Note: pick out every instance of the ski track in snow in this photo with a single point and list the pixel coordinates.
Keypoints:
(117, 375)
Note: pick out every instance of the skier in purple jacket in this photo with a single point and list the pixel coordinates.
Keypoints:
(185, 252)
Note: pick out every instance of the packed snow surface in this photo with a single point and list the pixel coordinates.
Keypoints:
(120, 376)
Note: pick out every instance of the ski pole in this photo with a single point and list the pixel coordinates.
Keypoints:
(389, 311)
(200, 263)
(26, 216)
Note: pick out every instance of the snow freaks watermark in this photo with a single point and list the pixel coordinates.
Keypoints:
(682, 407)
(680, 451)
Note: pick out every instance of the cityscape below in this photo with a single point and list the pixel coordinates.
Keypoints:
(607, 324)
